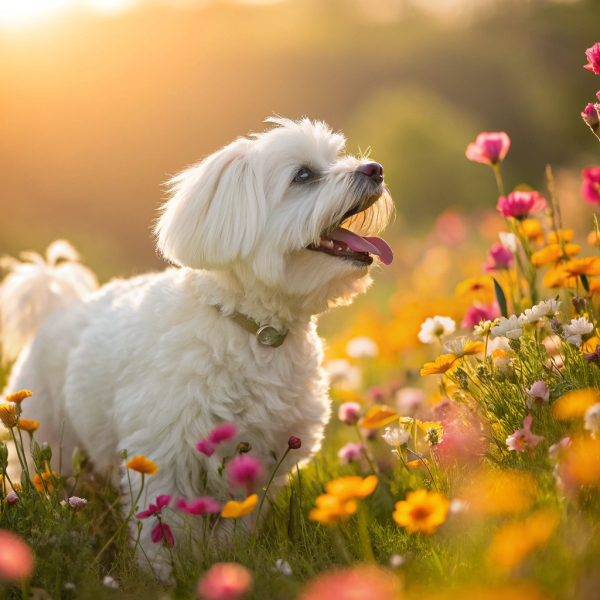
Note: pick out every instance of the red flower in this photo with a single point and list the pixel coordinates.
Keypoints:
(590, 115)
(161, 501)
(199, 506)
(489, 148)
(593, 55)
(520, 204)
(162, 533)
(590, 186)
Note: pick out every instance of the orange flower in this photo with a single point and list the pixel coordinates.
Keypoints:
(345, 488)
(235, 510)
(441, 365)
(553, 253)
(574, 404)
(583, 266)
(142, 465)
(594, 286)
(592, 239)
(581, 463)
(421, 511)
(415, 464)
(8, 415)
(47, 477)
(378, 416)
(563, 234)
(331, 510)
(514, 541)
(18, 397)
(476, 289)
(28, 425)
(590, 345)
(558, 277)
(533, 230)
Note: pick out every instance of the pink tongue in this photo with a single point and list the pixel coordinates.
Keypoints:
(373, 245)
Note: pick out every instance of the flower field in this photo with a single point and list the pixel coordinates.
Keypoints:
(462, 459)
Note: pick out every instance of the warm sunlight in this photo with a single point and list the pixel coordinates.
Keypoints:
(16, 13)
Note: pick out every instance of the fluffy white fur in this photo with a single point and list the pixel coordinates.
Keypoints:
(150, 365)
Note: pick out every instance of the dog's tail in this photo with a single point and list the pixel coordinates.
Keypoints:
(35, 288)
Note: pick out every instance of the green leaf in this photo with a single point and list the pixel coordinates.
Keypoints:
(500, 298)
(585, 283)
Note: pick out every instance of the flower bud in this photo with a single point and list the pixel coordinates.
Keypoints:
(12, 497)
(294, 443)
(590, 116)
(578, 303)
(243, 448)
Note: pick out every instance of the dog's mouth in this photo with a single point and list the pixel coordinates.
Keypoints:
(346, 244)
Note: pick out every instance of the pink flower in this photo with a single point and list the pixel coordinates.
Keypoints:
(593, 55)
(523, 439)
(244, 470)
(225, 581)
(16, 558)
(520, 204)
(162, 533)
(12, 497)
(539, 393)
(480, 312)
(499, 257)
(590, 186)
(205, 447)
(199, 506)
(590, 115)
(161, 501)
(350, 452)
(222, 433)
(349, 413)
(489, 148)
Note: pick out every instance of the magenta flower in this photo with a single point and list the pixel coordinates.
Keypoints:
(499, 257)
(590, 115)
(520, 204)
(350, 452)
(523, 439)
(222, 433)
(539, 393)
(225, 581)
(162, 533)
(590, 186)
(199, 506)
(480, 312)
(489, 148)
(161, 501)
(593, 55)
(244, 470)
(349, 413)
(205, 447)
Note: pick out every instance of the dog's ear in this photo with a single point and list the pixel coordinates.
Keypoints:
(216, 212)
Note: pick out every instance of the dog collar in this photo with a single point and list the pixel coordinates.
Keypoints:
(267, 335)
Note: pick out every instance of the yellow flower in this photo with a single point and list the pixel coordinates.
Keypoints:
(553, 253)
(533, 230)
(514, 541)
(378, 416)
(345, 488)
(47, 477)
(433, 430)
(594, 286)
(589, 265)
(476, 289)
(558, 277)
(142, 465)
(235, 510)
(590, 345)
(16, 486)
(421, 511)
(574, 404)
(28, 425)
(415, 464)
(8, 415)
(18, 397)
(563, 234)
(331, 510)
(441, 365)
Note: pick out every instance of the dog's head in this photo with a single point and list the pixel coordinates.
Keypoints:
(271, 207)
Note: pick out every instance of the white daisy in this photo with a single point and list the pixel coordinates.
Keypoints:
(574, 330)
(510, 328)
(396, 437)
(432, 329)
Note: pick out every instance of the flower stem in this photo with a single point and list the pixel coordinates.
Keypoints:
(499, 183)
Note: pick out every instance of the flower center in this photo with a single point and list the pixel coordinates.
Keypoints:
(420, 513)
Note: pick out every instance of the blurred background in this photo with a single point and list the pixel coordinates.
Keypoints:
(102, 100)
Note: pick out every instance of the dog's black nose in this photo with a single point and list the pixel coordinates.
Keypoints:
(373, 170)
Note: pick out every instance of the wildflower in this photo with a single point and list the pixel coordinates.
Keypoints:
(8, 415)
(47, 479)
(510, 328)
(199, 506)
(539, 393)
(16, 558)
(532, 230)
(346, 488)
(520, 204)
(353, 583)
(28, 425)
(509, 240)
(77, 503)
(416, 464)
(463, 346)
(539, 311)
(362, 347)
(514, 541)
(440, 365)
(476, 289)
(477, 313)
(142, 465)
(235, 510)
(162, 533)
(591, 419)
(294, 443)
(421, 511)
(558, 277)
(282, 566)
(225, 581)
(557, 449)
(18, 397)
(350, 452)
(396, 437)
(552, 253)
(331, 510)
(153, 509)
(498, 257)
(12, 497)
(349, 413)
(590, 187)
(205, 447)
(523, 439)
(378, 416)
(244, 470)
(593, 56)
(574, 330)
(222, 433)
(590, 116)
(433, 329)
(575, 404)
(408, 398)
(434, 433)
(489, 148)
(582, 266)
(110, 583)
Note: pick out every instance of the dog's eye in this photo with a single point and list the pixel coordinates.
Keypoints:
(303, 175)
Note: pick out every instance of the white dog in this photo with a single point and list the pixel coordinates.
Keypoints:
(151, 364)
